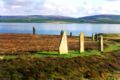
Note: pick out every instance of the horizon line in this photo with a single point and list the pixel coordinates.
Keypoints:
(63, 15)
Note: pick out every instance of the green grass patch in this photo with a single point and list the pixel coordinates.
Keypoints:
(55, 54)
(9, 57)
(69, 55)
(112, 48)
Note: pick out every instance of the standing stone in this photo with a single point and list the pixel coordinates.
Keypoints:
(1, 57)
(34, 30)
(70, 34)
(61, 33)
(93, 37)
(63, 49)
(101, 43)
(96, 37)
(81, 42)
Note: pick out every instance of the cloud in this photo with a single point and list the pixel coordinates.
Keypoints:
(77, 8)
(20, 7)
(18, 2)
(64, 7)
(74, 8)
(2, 9)
(112, 0)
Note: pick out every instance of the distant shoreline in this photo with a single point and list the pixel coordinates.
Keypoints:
(62, 22)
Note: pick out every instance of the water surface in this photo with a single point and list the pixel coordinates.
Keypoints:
(52, 28)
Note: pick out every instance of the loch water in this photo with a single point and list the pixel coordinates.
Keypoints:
(55, 28)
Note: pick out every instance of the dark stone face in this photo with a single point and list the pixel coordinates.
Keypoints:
(34, 31)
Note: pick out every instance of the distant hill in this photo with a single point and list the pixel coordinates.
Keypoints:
(35, 18)
(113, 19)
(100, 19)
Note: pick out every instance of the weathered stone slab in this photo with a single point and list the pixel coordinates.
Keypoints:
(81, 39)
(63, 49)
(101, 44)
(93, 37)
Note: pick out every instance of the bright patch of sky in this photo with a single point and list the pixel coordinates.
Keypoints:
(73, 8)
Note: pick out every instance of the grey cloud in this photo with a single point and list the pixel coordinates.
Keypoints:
(18, 2)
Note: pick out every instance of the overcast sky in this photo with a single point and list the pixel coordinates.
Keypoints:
(73, 8)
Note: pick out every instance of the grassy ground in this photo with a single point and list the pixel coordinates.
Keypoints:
(53, 68)
(69, 55)
(63, 67)
(56, 54)
(110, 48)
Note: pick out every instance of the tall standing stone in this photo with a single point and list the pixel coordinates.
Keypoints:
(93, 37)
(81, 42)
(34, 31)
(96, 37)
(101, 44)
(63, 48)
(70, 34)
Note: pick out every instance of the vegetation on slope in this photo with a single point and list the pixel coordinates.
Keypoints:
(52, 68)
(112, 19)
